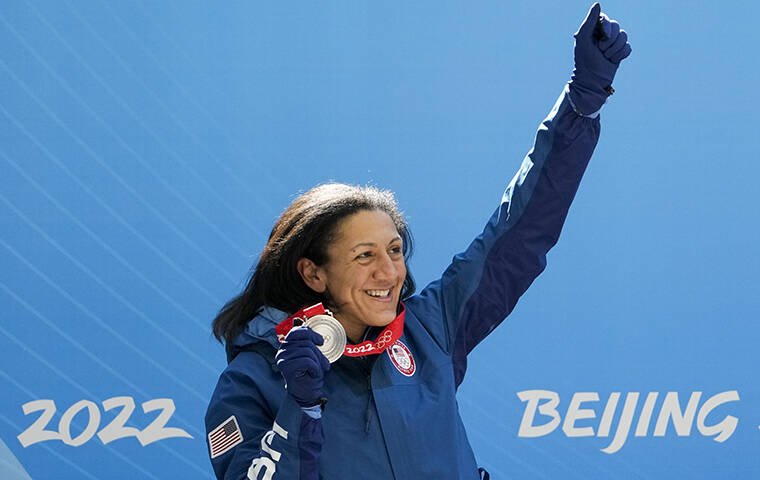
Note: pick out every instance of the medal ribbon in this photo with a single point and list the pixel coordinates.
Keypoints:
(387, 337)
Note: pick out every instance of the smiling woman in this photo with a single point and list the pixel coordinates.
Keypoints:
(363, 277)
(327, 243)
(337, 257)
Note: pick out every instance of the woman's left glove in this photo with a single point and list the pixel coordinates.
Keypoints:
(600, 46)
(303, 366)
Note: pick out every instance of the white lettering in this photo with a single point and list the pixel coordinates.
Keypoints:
(155, 431)
(269, 465)
(266, 446)
(725, 428)
(646, 415)
(609, 412)
(36, 431)
(545, 402)
(574, 413)
(116, 429)
(547, 408)
(280, 431)
(258, 463)
(624, 424)
(360, 348)
(671, 409)
(64, 426)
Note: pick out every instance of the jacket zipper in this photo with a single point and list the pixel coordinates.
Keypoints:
(369, 401)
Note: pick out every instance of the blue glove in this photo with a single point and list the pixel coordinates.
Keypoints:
(303, 366)
(600, 45)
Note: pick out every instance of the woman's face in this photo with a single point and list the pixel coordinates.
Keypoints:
(365, 271)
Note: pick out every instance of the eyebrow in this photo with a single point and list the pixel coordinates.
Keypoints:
(373, 244)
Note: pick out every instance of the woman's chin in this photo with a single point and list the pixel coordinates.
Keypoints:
(382, 319)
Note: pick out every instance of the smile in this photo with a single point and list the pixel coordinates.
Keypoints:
(378, 293)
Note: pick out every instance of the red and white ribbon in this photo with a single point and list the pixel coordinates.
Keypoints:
(387, 337)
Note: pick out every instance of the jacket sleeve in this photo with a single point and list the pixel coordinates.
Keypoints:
(482, 285)
(275, 443)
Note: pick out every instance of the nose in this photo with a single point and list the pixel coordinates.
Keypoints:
(386, 269)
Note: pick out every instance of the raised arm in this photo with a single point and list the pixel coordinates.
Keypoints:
(482, 285)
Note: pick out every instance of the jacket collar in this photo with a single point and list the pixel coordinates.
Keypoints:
(259, 330)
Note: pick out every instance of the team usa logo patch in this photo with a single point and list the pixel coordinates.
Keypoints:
(402, 358)
(224, 437)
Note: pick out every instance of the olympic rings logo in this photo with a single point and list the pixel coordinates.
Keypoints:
(385, 338)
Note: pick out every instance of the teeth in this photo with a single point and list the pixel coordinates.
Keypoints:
(378, 293)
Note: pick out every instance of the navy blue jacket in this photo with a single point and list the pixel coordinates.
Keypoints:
(380, 422)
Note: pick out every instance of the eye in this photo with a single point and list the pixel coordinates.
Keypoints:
(396, 250)
(366, 254)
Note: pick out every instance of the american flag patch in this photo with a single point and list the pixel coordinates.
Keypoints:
(224, 437)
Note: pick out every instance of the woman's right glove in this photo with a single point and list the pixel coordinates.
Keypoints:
(600, 46)
(303, 366)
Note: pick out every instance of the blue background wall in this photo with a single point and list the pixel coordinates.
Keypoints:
(146, 149)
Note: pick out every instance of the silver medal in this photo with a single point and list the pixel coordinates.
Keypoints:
(333, 334)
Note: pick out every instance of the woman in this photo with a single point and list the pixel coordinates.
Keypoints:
(282, 410)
